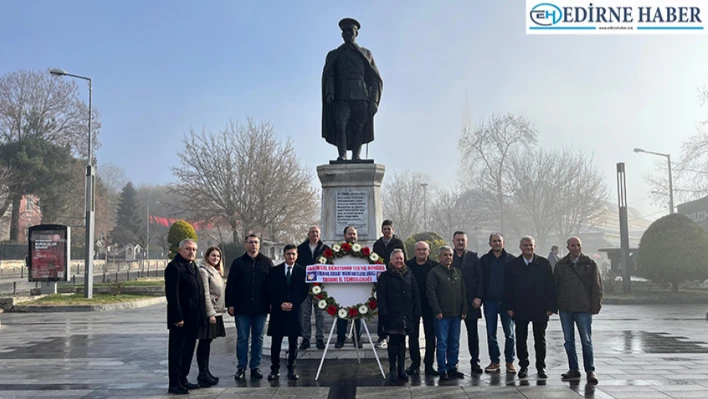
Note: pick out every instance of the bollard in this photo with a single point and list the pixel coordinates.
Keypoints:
(128, 275)
(14, 288)
(22, 272)
(74, 278)
(116, 276)
(104, 277)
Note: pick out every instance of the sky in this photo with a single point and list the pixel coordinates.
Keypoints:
(159, 69)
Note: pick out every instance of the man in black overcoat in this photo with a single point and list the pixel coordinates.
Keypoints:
(185, 314)
(286, 291)
(530, 297)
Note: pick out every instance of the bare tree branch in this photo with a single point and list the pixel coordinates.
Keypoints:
(245, 177)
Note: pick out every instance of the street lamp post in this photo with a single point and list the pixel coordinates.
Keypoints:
(425, 206)
(671, 183)
(90, 199)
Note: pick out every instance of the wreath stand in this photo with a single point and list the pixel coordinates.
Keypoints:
(356, 345)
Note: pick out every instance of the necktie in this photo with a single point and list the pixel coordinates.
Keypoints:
(287, 274)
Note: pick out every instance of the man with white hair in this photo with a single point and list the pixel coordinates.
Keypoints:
(579, 297)
(530, 297)
(186, 312)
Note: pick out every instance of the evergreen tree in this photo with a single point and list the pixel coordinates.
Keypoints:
(130, 225)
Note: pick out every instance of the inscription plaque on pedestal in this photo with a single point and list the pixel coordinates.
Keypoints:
(352, 208)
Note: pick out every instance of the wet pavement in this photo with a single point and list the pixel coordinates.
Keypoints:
(658, 351)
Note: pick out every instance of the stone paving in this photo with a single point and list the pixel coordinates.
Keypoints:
(646, 352)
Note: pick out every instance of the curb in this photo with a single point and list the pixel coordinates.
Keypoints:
(639, 301)
(90, 308)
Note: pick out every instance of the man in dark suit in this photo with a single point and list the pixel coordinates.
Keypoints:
(468, 262)
(530, 297)
(286, 291)
(185, 314)
(307, 254)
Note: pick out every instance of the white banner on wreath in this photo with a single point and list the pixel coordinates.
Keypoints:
(346, 273)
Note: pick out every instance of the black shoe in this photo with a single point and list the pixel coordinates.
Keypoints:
(189, 385)
(430, 370)
(205, 381)
(240, 374)
(273, 375)
(213, 377)
(320, 344)
(178, 390)
(524, 372)
(292, 375)
(542, 374)
(339, 344)
(444, 376)
(413, 370)
(476, 368)
(305, 344)
(455, 373)
(256, 374)
(358, 343)
(571, 375)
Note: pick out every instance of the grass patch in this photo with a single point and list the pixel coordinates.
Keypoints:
(78, 299)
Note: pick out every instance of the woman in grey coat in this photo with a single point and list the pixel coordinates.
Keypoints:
(211, 270)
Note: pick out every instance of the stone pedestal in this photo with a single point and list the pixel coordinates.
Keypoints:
(351, 195)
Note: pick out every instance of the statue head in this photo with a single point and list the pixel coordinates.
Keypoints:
(350, 29)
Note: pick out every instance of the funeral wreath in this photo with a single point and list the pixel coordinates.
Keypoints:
(328, 303)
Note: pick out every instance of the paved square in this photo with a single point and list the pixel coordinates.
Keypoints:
(658, 351)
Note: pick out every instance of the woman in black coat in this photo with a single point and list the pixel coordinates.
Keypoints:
(399, 310)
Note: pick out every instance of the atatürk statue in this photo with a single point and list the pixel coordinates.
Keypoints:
(351, 90)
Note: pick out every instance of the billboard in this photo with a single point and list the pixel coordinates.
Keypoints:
(49, 252)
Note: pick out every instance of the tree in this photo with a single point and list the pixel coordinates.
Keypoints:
(130, 225)
(486, 153)
(113, 177)
(44, 168)
(557, 193)
(690, 172)
(244, 176)
(434, 240)
(180, 230)
(672, 250)
(403, 201)
(452, 210)
(34, 104)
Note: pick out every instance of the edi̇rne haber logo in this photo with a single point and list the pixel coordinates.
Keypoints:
(616, 17)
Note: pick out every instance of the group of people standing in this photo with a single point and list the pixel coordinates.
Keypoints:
(517, 291)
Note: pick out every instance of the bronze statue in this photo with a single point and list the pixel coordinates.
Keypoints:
(351, 91)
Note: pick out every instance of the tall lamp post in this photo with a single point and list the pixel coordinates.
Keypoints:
(90, 199)
(671, 183)
(425, 206)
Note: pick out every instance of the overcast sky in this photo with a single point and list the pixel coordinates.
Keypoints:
(159, 70)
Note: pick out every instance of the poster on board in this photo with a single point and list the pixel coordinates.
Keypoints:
(49, 253)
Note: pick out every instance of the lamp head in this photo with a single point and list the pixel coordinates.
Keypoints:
(638, 150)
(57, 72)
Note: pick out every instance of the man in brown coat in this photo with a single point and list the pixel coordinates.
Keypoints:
(579, 297)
